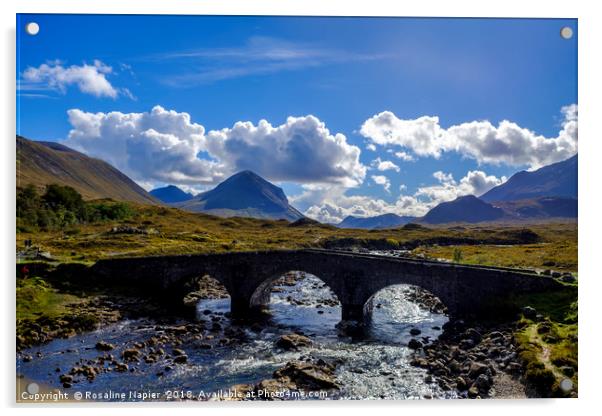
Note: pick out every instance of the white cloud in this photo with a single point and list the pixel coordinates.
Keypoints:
(301, 150)
(406, 157)
(507, 143)
(155, 146)
(333, 205)
(90, 79)
(443, 177)
(162, 146)
(371, 147)
(475, 182)
(423, 135)
(384, 165)
(383, 181)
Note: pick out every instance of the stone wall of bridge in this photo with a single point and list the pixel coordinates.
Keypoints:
(354, 278)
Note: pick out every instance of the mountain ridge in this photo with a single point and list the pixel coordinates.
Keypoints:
(42, 163)
(555, 180)
(244, 194)
(466, 208)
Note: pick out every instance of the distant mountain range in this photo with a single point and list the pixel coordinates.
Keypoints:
(171, 194)
(379, 221)
(549, 192)
(244, 194)
(44, 163)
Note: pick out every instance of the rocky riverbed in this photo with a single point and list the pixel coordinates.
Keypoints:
(409, 350)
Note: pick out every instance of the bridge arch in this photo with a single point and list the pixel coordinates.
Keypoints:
(418, 295)
(261, 297)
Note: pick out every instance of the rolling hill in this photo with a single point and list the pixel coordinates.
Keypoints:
(244, 194)
(44, 163)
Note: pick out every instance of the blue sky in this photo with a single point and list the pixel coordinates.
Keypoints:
(367, 79)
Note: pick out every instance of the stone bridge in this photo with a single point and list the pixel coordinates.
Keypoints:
(354, 278)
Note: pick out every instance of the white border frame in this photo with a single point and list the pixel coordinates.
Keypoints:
(590, 35)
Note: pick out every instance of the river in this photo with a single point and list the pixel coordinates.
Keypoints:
(375, 367)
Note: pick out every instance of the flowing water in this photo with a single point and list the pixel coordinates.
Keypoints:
(374, 367)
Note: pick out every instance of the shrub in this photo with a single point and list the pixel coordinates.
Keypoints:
(63, 207)
(457, 255)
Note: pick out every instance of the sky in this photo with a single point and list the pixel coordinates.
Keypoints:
(350, 116)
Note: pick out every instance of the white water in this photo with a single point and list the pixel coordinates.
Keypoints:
(373, 368)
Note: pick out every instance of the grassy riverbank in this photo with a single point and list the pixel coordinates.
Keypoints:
(45, 312)
(548, 345)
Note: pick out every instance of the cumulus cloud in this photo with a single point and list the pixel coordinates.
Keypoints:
(338, 205)
(159, 145)
(332, 205)
(507, 143)
(383, 165)
(90, 79)
(475, 182)
(383, 181)
(301, 150)
(406, 157)
(163, 146)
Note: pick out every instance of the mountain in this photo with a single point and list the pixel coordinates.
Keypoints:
(44, 163)
(558, 180)
(171, 194)
(379, 221)
(545, 207)
(463, 209)
(244, 194)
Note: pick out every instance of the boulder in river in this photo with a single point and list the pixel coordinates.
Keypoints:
(104, 346)
(309, 376)
(293, 342)
(414, 344)
(130, 354)
(180, 359)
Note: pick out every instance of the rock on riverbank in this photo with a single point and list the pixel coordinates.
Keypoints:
(293, 380)
(470, 359)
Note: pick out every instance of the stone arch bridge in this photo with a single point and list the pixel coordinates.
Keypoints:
(354, 278)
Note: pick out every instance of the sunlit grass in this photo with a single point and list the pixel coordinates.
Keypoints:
(35, 298)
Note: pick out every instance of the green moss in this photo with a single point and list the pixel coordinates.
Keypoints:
(549, 348)
(36, 297)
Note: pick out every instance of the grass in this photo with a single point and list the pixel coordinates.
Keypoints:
(172, 231)
(36, 297)
(557, 255)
